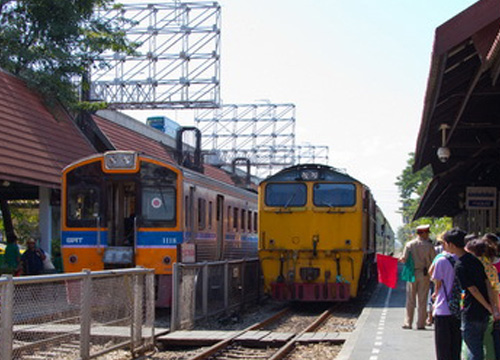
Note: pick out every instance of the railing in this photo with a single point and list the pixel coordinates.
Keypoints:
(77, 315)
(206, 289)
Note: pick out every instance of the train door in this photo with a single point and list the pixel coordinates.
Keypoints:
(219, 226)
(122, 226)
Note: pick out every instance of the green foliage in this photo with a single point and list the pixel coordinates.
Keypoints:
(411, 189)
(91, 106)
(51, 42)
(25, 217)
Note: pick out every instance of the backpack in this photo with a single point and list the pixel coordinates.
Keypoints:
(455, 295)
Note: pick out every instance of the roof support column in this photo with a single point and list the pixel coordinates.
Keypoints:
(45, 220)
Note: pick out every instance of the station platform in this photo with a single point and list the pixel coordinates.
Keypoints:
(379, 336)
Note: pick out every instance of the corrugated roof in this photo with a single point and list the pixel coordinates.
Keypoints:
(35, 145)
(218, 174)
(123, 138)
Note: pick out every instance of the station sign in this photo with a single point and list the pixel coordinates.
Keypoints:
(480, 198)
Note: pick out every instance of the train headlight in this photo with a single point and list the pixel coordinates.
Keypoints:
(167, 260)
(73, 259)
(120, 160)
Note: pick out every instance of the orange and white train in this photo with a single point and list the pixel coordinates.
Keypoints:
(123, 209)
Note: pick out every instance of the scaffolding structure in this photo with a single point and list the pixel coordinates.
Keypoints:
(263, 133)
(311, 154)
(177, 64)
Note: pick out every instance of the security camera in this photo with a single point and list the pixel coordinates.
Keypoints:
(443, 154)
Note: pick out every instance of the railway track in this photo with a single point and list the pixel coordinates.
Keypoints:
(255, 342)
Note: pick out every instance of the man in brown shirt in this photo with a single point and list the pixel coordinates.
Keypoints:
(422, 252)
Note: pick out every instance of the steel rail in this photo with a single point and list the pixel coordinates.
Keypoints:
(290, 345)
(226, 342)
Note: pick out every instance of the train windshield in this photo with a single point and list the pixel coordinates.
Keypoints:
(83, 204)
(84, 196)
(286, 195)
(158, 203)
(158, 195)
(334, 195)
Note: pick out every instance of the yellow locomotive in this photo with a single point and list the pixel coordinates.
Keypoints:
(319, 230)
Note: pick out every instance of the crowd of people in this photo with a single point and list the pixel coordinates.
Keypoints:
(456, 289)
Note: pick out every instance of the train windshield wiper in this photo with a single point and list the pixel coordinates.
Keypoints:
(290, 200)
(330, 205)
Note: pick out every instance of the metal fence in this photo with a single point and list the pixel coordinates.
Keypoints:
(210, 288)
(78, 315)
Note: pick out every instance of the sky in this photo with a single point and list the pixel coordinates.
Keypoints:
(356, 71)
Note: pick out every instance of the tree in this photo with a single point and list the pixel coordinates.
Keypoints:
(412, 187)
(50, 42)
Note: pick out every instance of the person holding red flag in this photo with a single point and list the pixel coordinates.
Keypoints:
(422, 252)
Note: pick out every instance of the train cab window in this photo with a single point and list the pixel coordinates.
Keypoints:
(235, 218)
(83, 206)
(158, 195)
(334, 195)
(202, 212)
(243, 218)
(158, 204)
(84, 196)
(285, 194)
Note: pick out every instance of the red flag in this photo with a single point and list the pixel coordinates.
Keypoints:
(387, 267)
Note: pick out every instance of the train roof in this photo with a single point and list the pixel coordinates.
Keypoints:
(324, 173)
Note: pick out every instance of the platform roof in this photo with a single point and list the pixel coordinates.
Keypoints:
(36, 141)
(463, 92)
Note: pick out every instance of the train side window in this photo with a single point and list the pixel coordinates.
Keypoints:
(243, 217)
(255, 221)
(202, 212)
(210, 214)
(229, 218)
(186, 211)
(235, 218)
(249, 220)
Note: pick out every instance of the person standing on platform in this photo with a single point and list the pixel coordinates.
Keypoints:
(422, 252)
(478, 298)
(447, 335)
(12, 256)
(32, 259)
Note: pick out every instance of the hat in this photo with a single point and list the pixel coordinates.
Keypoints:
(423, 228)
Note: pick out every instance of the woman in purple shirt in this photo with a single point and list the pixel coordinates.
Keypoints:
(447, 333)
